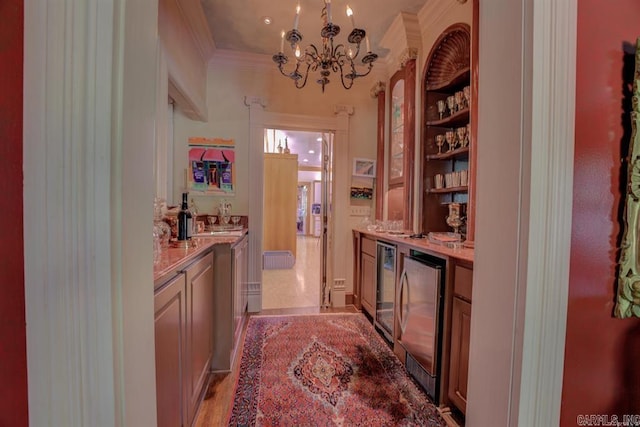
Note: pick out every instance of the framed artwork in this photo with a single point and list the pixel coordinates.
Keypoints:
(364, 167)
(211, 165)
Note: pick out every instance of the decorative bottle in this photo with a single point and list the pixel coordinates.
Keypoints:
(184, 220)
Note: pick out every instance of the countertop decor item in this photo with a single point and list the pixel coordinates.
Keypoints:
(328, 57)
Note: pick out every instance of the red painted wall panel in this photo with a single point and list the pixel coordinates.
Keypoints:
(13, 345)
(602, 355)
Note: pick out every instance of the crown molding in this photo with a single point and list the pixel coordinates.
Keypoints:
(235, 57)
(402, 37)
(195, 20)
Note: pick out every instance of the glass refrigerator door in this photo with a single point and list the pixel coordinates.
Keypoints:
(386, 288)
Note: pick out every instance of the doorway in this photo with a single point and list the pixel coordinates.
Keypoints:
(304, 283)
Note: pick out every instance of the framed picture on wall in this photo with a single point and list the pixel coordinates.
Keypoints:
(364, 167)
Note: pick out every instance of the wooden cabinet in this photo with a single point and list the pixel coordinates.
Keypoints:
(460, 336)
(400, 160)
(183, 341)
(170, 345)
(281, 202)
(368, 275)
(448, 141)
(230, 296)
(199, 334)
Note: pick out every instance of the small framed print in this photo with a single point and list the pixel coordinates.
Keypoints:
(364, 167)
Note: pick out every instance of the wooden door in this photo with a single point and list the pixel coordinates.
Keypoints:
(280, 202)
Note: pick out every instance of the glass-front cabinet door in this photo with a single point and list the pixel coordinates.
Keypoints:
(396, 140)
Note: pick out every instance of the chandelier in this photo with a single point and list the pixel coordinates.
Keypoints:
(329, 57)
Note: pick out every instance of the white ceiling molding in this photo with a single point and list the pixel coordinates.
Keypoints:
(236, 57)
(402, 36)
(195, 20)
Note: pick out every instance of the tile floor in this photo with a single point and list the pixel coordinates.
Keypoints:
(299, 286)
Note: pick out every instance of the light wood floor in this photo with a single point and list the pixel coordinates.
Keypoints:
(294, 291)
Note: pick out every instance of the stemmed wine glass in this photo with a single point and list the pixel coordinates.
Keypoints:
(441, 107)
(450, 137)
(236, 220)
(211, 220)
(440, 142)
(451, 104)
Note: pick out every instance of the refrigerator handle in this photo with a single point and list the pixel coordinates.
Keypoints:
(399, 299)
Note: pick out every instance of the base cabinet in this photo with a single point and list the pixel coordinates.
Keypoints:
(170, 343)
(231, 300)
(460, 337)
(199, 330)
(183, 341)
(368, 275)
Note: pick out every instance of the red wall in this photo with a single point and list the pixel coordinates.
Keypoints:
(13, 346)
(602, 359)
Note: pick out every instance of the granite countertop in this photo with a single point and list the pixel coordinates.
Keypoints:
(421, 244)
(171, 260)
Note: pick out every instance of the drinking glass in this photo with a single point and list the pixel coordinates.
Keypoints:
(450, 137)
(467, 95)
(439, 142)
(459, 99)
(441, 107)
(235, 219)
(461, 132)
(211, 220)
(451, 104)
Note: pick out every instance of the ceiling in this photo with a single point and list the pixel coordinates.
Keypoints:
(239, 26)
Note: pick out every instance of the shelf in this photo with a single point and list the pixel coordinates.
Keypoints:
(455, 154)
(448, 190)
(456, 119)
(460, 78)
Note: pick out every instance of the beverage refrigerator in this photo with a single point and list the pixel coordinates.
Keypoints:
(419, 308)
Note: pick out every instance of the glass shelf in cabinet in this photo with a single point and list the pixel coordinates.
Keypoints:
(461, 189)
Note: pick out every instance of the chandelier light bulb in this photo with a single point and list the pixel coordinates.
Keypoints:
(298, 53)
(350, 15)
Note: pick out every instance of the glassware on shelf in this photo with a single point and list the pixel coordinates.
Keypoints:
(459, 99)
(235, 220)
(442, 107)
(160, 227)
(451, 104)
(450, 137)
(440, 142)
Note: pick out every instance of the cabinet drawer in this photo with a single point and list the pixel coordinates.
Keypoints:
(369, 246)
(463, 277)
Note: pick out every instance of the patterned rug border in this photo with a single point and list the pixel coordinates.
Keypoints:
(360, 315)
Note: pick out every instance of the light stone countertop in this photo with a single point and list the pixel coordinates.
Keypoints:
(422, 244)
(172, 260)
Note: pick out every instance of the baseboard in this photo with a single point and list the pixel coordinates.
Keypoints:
(348, 298)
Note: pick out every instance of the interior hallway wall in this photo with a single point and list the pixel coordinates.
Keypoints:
(601, 370)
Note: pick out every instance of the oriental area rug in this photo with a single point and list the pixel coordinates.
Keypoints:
(324, 370)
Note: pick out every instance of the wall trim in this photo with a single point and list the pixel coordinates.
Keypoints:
(67, 150)
(552, 158)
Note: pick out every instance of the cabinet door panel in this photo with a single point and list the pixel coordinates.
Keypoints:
(200, 328)
(170, 331)
(368, 283)
(459, 362)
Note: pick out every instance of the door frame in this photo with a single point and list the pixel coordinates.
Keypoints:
(260, 120)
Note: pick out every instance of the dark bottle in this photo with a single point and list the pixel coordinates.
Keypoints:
(184, 220)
